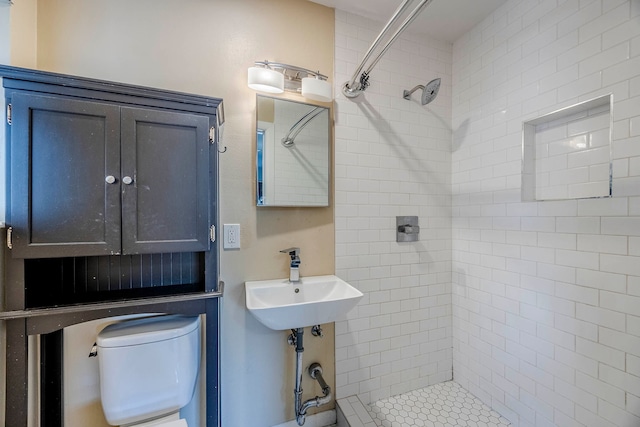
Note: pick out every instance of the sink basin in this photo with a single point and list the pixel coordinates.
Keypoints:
(314, 300)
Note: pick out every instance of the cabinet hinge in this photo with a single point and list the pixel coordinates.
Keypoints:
(212, 233)
(212, 135)
(9, 114)
(10, 237)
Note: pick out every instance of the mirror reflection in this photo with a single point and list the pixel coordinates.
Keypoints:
(292, 141)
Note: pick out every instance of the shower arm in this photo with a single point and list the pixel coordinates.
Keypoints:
(407, 93)
(352, 89)
(289, 139)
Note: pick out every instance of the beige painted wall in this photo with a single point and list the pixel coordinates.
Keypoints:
(24, 33)
(205, 47)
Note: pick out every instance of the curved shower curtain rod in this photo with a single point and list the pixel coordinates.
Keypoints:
(360, 80)
(289, 139)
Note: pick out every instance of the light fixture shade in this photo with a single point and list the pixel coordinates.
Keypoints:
(265, 80)
(316, 89)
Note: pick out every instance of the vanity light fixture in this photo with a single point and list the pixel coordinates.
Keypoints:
(316, 89)
(274, 77)
(264, 79)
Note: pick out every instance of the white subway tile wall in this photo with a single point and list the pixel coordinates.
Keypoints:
(546, 314)
(539, 300)
(393, 158)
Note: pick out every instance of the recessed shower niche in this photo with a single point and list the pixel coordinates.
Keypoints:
(567, 154)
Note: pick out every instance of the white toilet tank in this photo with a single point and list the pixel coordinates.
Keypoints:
(148, 367)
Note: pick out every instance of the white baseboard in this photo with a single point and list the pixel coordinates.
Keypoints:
(323, 419)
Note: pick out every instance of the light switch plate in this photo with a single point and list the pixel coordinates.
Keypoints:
(231, 236)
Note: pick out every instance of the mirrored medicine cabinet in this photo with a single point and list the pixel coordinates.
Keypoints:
(292, 153)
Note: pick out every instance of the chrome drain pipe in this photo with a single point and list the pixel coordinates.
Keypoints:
(315, 371)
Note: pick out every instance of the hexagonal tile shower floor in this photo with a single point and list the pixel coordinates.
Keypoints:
(441, 405)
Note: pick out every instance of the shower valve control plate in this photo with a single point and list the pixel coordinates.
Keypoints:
(407, 229)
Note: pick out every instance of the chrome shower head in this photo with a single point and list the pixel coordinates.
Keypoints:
(429, 92)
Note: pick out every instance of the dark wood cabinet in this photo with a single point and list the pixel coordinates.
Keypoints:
(166, 206)
(60, 152)
(93, 178)
(111, 201)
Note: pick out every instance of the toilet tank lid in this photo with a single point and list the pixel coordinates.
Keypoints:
(146, 330)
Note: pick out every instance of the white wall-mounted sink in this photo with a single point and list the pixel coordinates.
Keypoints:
(280, 304)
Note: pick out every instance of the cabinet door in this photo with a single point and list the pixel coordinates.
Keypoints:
(61, 152)
(165, 160)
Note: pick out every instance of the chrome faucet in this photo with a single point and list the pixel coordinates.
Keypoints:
(294, 267)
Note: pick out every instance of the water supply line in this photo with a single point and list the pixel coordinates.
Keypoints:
(360, 80)
(298, 335)
(315, 371)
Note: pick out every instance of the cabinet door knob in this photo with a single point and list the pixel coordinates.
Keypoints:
(127, 180)
(110, 179)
